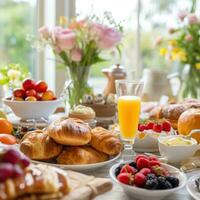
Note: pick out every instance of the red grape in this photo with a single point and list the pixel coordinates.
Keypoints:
(6, 171)
(24, 161)
(17, 171)
(11, 156)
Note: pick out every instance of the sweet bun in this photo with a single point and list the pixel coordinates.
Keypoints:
(172, 113)
(156, 113)
(38, 145)
(188, 121)
(70, 131)
(81, 155)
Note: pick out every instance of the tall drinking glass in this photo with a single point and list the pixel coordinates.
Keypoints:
(129, 106)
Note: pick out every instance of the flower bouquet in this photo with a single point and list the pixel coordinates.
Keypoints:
(79, 44)
(183, 45)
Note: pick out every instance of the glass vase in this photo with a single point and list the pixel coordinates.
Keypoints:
(79, 76)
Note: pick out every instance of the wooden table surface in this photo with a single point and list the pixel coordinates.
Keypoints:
(117, 193)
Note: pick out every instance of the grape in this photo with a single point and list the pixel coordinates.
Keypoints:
(11, 156)
(17, 171)
(24, 161)
(6, 171)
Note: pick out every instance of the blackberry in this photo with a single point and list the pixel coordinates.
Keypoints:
(151, 184)
(133, 164)
(151, 176)
(118, 169)
(173, 180)
(163, 183)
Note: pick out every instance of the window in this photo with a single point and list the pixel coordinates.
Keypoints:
(17, 19)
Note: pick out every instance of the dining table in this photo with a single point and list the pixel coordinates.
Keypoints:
(117, 192)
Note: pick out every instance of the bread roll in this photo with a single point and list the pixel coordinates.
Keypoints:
(105, 141)
(38, 145)
(73, 132)
(188, 121)
(81, 155)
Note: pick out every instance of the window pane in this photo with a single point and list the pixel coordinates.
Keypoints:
(122, 11)
(17, 19)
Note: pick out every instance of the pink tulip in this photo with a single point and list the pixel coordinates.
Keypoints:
(64, 38)
(182, 14)
(44, 32)
(106, 38)
(76, 55)
(192, 19)
(188, 38)
(57, 49)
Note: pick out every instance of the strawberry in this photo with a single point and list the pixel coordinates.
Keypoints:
(142, 163)
(139, 179)
(125, 178)
(128, 169)
(141, 127)
(145, 171)
(149, 125)
(154, 163)
(166, 126)
(159, 171)
(153, 157)
(140, 156)
(157, 128)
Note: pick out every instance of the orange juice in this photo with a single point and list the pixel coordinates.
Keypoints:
(128, 114)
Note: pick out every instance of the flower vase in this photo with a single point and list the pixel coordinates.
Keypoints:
(190, 82)
(79, 86)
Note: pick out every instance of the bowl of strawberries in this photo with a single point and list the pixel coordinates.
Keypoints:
(148, 133)
(145, 177)
(33, 100)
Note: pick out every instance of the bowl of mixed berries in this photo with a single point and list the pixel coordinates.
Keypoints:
(148, 133)
(147, 178)
(34, 100)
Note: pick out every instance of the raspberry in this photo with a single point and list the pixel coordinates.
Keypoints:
(173, 180)
(152, 157)
(166, 126)
(140, 156)
(145, 171)
(159, 171)
(125, 178)
(154, 163)
(141, 127)
(151, 184)
(142, 163)
(157, 128)
(139, 179)
(128, 169)
(149, 125)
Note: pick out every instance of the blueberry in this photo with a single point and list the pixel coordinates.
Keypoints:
(133, 164)
(163, 183)
(151, 176)
(173, 180)
(118, 169)
(151, 184)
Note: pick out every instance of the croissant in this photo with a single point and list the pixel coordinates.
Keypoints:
(38, 179)
(105, 141)
(81, 155)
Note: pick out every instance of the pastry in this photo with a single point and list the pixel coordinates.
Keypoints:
(156, 113)
(38, 145)
(105, 141)
(81, 155)
(188, 121)
(38, 179)
(70, 131)
(82, 112)
(172, 113)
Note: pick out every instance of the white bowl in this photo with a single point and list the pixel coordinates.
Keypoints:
(144, 194)
(33, 109)
(177, 154)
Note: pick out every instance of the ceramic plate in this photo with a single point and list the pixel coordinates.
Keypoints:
(84, 167)
(192, 189)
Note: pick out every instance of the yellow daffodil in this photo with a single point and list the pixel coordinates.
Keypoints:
(172, 43)
(163, 51)
(63, 20)
(197, 66)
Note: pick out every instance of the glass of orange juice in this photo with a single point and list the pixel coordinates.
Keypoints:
(129, 106)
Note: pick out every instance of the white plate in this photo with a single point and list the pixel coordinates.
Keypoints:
(192, 189)
(84, 167)
(144, 194)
